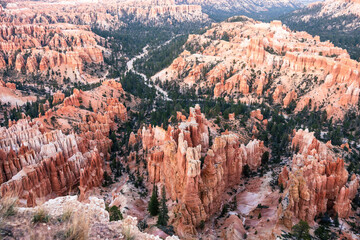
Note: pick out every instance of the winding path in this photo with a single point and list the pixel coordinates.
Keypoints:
(130, 67)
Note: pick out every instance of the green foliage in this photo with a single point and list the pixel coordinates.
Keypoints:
(161, 58)
(114, 213)
(265, 158)
(246, 171)
(237, 19)
(225, 37)
(153, 206)
(338, 34)
(300, 231)
(142, 225)
(115, 146)
(40, 216)
(134, 84)
(107, 179)
(336, 221)
(202, 224)
(163, 213)
(224, 210)
(233, 204)
(323, 233)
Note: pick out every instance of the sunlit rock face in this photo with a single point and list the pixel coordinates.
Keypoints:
(249, 61)
(317, 182)
(37, 161)
(103, 14)
(38, 47)
(235, 7)
(195, 171)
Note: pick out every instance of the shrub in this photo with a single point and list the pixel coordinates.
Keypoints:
(126, 231)
(67, 214)
(114, 213)
(301, 230)
(40, 216)
(323, 233)
(246, 171)
(7, 207)
(79, 227)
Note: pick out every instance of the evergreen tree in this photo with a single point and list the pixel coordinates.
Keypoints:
(153, 206)
(163, 214)
(301, 231)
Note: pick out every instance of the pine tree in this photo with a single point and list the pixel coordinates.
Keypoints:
(153, 206)
(163, 214)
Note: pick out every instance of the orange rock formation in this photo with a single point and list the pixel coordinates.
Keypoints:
(37, 161)
(316, 183)
(249, 60)
(195, 174)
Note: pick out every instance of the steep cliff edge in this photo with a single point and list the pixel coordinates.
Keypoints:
(107, 14)
(40, 162)
(317, 182)
(39, 47)
(334, 20)
(195, 171)
(251, 61)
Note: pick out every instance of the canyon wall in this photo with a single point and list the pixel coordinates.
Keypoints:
(37, 47)
(196, 172)
(250, 61)
(106, 14)
(37, 161)
(317, 182)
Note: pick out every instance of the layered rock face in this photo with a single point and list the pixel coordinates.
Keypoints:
(194, 173)
(330, 19)
(40, 47)
(231, 8)
(248, 60)
(153, 11)
(96, 217)
(107, 14)
(317, 182)
(37, 161)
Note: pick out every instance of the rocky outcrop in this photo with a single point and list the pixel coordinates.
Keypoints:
(317, 182)
(250, 61)
(233, 228)
(58, 97)
(105, 14)
(48, 46)
(232, 8)
(96, 216)
(194, 173)
(114, 84)
(35, 163)
(10, 95)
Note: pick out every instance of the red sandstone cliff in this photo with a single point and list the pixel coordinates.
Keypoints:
(49, 46)
(317, 182)
(105, 14)
(39, 162)
(250, 60)
(175, 160)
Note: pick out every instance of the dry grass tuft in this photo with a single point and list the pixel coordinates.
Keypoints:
(7, 206)
(126, 231)
(78, 227)
(67, 214)
(40, 216)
